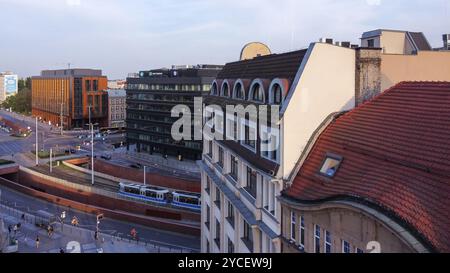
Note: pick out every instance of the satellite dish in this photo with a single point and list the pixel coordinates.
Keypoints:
(253, 50)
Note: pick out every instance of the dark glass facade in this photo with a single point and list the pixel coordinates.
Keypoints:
(150, 100)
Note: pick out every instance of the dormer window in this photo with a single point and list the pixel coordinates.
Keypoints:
(277, 95)
(258, 93)
(239, 92)
(214, 90)
(331, 165)
(226, 90)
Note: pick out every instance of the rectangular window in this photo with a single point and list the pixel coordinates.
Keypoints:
(210, 149)
(371, 43)
(95, 87)
(230, 214)
(230, 246)
(302, 232)
(248, 236)
(218, 201)
(208, 185)
(251, 182)
(220, 161)
(88, 85)
(317, 239)
(218, 234)
(293, 224)
(234, 168)
(346, 248)
(208, 215)
(327, 242)
(250, 137)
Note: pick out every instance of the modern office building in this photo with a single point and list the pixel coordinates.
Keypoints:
(74, 94)
(375, 179)
(150, 99)
(8, 85)
(117, 105)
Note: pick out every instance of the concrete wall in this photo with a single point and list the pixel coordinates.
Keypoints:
(324, 86)
(110, 213)
(425, 66)
(125, 173)
(350, 225)
(52, 190)
(394, 42)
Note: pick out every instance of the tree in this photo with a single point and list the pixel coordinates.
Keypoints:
(21, 102)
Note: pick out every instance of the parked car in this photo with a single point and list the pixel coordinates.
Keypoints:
(135, 166)
(106, 157)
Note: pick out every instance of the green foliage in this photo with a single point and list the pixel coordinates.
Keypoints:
(21, 102)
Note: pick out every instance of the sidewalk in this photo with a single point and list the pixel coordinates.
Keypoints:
(71, 239)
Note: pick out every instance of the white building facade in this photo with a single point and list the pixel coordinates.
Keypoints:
(241, 178)
(117, 105)
(8, 85)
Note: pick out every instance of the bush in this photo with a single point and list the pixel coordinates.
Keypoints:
(6, 162)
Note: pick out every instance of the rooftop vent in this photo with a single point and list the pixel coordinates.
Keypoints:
(346, 44)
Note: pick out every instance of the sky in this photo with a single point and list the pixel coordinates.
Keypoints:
(126, 36)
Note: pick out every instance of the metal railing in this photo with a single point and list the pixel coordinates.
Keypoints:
(14, 210)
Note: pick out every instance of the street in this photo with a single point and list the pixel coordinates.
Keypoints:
(88, 222)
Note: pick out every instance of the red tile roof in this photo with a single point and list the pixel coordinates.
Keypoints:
(396, 151)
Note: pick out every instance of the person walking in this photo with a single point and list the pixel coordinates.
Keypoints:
(38, 240)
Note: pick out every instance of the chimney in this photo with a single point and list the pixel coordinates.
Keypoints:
(329, 41)
(368, 74)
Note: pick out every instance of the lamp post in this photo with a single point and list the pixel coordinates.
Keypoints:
(37, 146)
(91, 127)
(62, 217)
(51, 157)
(145, 175)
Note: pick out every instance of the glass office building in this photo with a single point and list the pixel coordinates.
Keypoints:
(151, 96)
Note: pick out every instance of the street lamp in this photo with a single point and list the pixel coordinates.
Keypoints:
(37, 146)
(51, 157)
(145, 175)
(62, 217)
(99, 217)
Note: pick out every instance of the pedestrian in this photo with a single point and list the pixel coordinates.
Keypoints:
(61, 250)
(96, 235)
(15, 230)
(38, 240)
(9, 229)
(23, 217)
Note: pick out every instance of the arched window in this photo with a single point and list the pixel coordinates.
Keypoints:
(277, 95)
(239, 92)
(214, 89)
(226, 90)
(258, 93)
